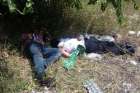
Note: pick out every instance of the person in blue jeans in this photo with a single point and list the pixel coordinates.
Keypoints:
(39, 61)
(37, 50)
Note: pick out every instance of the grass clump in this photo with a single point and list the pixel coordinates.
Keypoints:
(15, 73)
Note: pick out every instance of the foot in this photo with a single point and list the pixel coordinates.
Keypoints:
(49, 82)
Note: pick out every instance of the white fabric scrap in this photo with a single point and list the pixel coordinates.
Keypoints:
(107, 38)
(133, 62)
(94, 56)
(131, 32)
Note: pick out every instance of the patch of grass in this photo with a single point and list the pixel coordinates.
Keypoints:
(110, 74)
(15, 73)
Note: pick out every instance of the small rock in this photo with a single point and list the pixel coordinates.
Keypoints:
(33, 91)
(5, 54)
(138, 34)
(133, 62)
(46, 90)
(137, 52)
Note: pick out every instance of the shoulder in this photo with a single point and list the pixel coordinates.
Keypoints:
(72, 40)
(61, 44)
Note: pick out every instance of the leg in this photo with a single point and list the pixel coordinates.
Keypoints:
(39, 63)
(53, 54)
(50, 51)
(35, 49)
(38, 60)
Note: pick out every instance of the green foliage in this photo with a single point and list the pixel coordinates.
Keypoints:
(12, 6)
(41, 6)
(73, 3)
(117, 4)
(135, 4)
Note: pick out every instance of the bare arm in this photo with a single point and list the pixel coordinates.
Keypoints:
(64, 53)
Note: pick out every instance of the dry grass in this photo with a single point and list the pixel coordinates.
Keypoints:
(17, 76)
(112, 75)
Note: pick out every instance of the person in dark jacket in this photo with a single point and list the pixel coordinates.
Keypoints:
(94, 45)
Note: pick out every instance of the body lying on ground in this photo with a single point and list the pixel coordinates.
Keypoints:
(35, 47)
(102, 44)
(94, 45)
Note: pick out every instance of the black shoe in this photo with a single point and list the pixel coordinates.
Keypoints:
(49, 82)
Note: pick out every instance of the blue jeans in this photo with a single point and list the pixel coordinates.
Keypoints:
(39, 61)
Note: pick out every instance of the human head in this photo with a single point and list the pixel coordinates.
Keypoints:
(79, 37)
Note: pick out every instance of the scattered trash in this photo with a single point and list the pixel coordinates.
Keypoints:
(92, 87)
(94, 56)
(133, 62)
(131, 33)
(127, 87)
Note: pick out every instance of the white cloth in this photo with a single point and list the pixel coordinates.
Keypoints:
(93, 56)
(71, 44)
(107, 38)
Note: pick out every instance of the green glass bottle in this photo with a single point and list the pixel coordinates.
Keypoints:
(71, 61)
